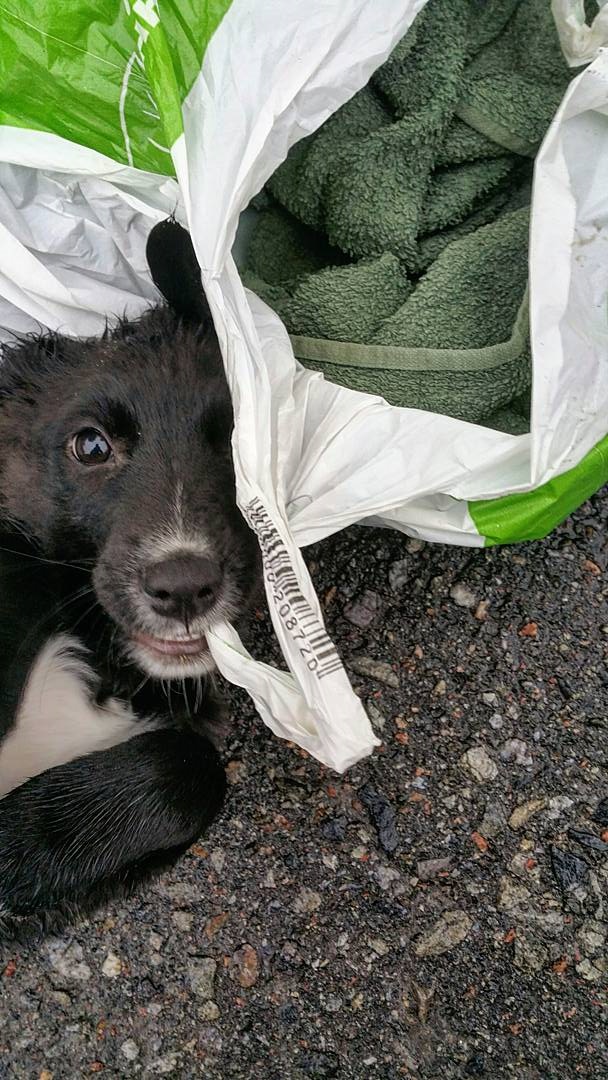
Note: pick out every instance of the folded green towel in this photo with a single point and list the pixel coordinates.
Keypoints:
(470, 384)
(282, 250)
(462, 144)
(513, 86)
(459, 343)
(514, 419)
(375, 198)
(361, 296)
(426, 171)
(470, 296)
(471, 396)
(502, 202)
(299, 183)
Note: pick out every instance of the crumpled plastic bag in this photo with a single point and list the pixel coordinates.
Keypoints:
(142, 111)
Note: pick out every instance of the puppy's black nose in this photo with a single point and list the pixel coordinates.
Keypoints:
(182, 585)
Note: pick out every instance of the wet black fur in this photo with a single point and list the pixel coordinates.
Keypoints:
(95, 827)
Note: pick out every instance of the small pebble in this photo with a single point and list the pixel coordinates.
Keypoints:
(493, 822)
(569, 870)
(182, 919)
(427, 869)
(112, 966)
(291, 954)
(382, 813)
(364, 611)
(330, 861)
(463, 596)
(180, 893)
(61, 998)
(550, 922)
(375, 669)
(209, 1011)
(592, 937)
(201, 976)
(307, 901)
(215, 923)
(289, 1014)
(236, 771)
(67, 959)
(524, 867)
(377, 720)
(335, 828)
(246, 967)
(164, 1065)
(558, 805)
(424, 996)
(592, 970)
(333, 1003)
(217, 859)
(481, 611)
(525, 811)
(512, 896)
(451, 930)
(515, 750)
(386, 875)
(530, 954)
(479, 764)
(398, 575)
(379, 946)
(130, 1050)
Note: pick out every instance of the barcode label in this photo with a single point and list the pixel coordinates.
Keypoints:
(297, 616)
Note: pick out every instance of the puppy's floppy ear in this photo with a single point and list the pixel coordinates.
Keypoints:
(175, 271)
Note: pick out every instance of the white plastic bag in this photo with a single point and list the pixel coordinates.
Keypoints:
(580, 42)
(310, 457)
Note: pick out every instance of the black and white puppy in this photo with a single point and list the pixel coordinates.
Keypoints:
(121, 544)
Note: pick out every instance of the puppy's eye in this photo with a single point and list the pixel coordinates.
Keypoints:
(90, 447)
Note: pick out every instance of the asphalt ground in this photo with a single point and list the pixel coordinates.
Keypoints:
(438, 912)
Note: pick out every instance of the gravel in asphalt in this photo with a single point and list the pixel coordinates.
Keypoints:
(438, 912)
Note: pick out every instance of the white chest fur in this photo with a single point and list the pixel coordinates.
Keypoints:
(57, 721)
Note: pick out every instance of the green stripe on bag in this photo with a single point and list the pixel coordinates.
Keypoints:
(532, 515)
(107, 74)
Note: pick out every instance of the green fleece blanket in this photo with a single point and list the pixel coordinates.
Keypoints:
(393, 242)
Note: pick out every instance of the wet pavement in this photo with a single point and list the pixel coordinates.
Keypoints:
(439, 912)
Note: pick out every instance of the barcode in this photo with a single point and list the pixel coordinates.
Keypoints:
(297, 616)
